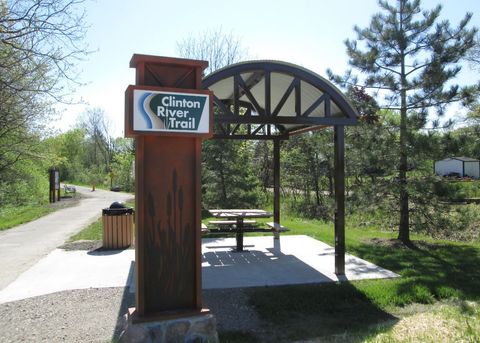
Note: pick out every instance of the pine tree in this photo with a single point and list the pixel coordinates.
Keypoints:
(228, 178)
(410, 57)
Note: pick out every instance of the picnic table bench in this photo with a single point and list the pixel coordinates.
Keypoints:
(205, 229)
(276, 228)
(69, 189)
(228, 226)
(233, 221)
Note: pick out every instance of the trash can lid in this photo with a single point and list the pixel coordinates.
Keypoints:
(117, 204)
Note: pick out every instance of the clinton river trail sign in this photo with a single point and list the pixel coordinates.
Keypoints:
(167, 111)
(169, 114)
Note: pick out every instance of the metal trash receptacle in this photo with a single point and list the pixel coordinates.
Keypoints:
(117, 223)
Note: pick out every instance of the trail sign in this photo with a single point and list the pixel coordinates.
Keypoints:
(162, 110)
(169, 115)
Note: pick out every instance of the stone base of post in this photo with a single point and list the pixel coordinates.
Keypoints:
(198, 328)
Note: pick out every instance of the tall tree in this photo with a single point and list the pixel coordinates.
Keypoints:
(410, 58)
(44, 38)
(101, 144)
(218, 48)
(307, 173)
(227, 176)
(473, 56)
(68, 150)
(41, 42)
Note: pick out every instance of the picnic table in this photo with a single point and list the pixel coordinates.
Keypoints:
(238, 221)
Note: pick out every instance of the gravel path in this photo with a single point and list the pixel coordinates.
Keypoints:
(96, 315)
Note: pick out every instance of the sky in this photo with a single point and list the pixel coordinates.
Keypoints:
(307, 33)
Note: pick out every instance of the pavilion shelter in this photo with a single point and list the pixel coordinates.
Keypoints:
(275, 100)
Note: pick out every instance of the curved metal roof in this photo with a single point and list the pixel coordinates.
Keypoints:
(273, 99)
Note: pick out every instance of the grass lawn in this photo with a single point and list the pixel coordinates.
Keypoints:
(11, 216)
(465, 189)
(436, 299)
(94, 231)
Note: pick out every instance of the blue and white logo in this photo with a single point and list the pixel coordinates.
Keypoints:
(170, 111)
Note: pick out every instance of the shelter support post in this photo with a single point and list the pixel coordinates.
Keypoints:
(339, 138)
(276, 183)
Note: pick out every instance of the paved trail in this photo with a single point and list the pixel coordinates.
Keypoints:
(23, 246)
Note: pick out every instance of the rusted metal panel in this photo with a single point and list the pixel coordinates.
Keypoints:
(169, 223)
(168, 195)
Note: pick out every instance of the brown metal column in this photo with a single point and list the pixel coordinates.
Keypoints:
(339, 138)
(276, 181)
(168, 202)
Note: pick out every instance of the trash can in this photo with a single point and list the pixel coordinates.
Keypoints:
(117, 223)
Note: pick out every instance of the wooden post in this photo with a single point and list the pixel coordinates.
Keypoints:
(168, 204)
(276, 183)
(339, 133)
(54, 189)
(51, 189)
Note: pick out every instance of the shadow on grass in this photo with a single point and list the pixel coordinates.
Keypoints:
(430, 271)
(236, 337)
(358, 310)
(320, 310)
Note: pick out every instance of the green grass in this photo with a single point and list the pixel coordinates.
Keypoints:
(453, 321)
(432, 272)
(92, 232)
(236, 337)
(11, 216)
(452, 189)
(467, 189)
(95, 230)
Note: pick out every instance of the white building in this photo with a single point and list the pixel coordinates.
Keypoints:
(463, 166)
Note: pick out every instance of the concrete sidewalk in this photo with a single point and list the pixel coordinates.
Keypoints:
(292, 260)
(23, 246)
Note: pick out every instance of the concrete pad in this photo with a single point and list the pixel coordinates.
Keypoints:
(268, 262)
(63, 270)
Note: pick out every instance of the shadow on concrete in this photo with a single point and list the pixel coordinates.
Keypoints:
(105, 252)
(303, 303)
(128, 300)
(357, 267)
(223, 268)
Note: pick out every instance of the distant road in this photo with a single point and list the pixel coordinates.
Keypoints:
(22, 246)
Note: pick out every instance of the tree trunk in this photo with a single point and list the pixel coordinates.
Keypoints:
(404, 226)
